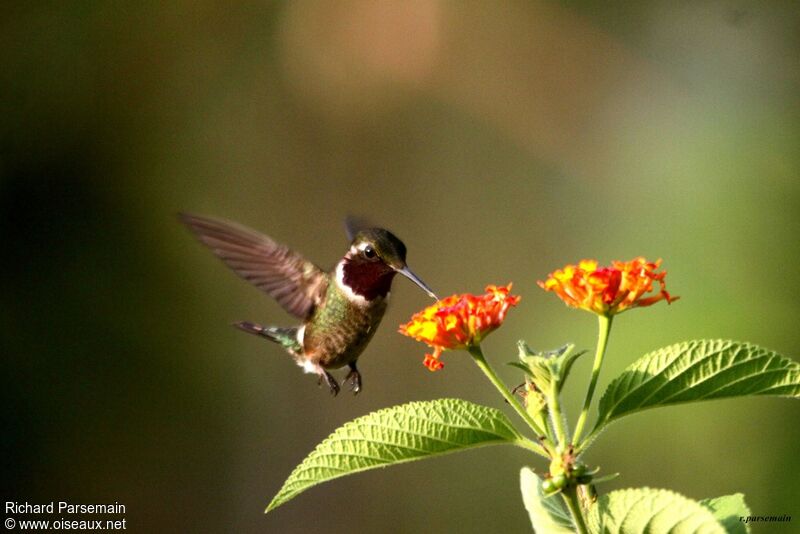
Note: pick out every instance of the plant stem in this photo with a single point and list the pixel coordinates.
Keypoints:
(578, 449)
(556, 417)
(525, 443)
(604, 328)
(570, 496)
(480, 360)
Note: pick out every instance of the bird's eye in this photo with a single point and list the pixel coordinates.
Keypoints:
(369, 252)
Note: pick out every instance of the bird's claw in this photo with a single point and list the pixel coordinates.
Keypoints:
(330, 382)
(353, 379)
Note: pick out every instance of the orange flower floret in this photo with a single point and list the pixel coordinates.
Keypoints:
(608, 290)
(459, 321)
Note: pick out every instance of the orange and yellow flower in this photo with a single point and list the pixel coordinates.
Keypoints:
(459, 321)
(608, 290)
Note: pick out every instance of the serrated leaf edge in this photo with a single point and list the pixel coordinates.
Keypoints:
(514, 437)
(679, 349)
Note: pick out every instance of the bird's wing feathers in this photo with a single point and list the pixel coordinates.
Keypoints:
(297, 284)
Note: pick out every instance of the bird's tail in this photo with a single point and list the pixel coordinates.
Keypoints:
(286, 337)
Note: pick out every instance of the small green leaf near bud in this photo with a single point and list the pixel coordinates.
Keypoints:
(524, 349)
(549, 369)
(565, 360)
(606, 478)
(521, 366)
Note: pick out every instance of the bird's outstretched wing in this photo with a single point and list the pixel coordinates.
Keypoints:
(297, 284)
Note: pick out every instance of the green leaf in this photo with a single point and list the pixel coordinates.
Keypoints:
(728, 510)
(634, 511)
(698, 370)
(521, 366)
(547, 368)
(396, 435)
(547, 515)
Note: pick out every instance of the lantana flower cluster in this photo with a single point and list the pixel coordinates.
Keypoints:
(459, 321)
(462, 321)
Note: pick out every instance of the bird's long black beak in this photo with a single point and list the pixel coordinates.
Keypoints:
(405, 271)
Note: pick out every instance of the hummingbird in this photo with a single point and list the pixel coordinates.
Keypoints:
(340, 309)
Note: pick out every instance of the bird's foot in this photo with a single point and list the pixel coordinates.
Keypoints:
(353, 379)
(329, 381)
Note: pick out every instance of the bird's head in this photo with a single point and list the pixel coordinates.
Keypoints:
(375, 256)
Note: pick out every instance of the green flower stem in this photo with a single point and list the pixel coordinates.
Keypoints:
(556, 417)
(570, 496)
(586, 441)
(604, 328)
(527, 444)
(480, 360)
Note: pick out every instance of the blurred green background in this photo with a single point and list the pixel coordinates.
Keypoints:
(498, 140)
